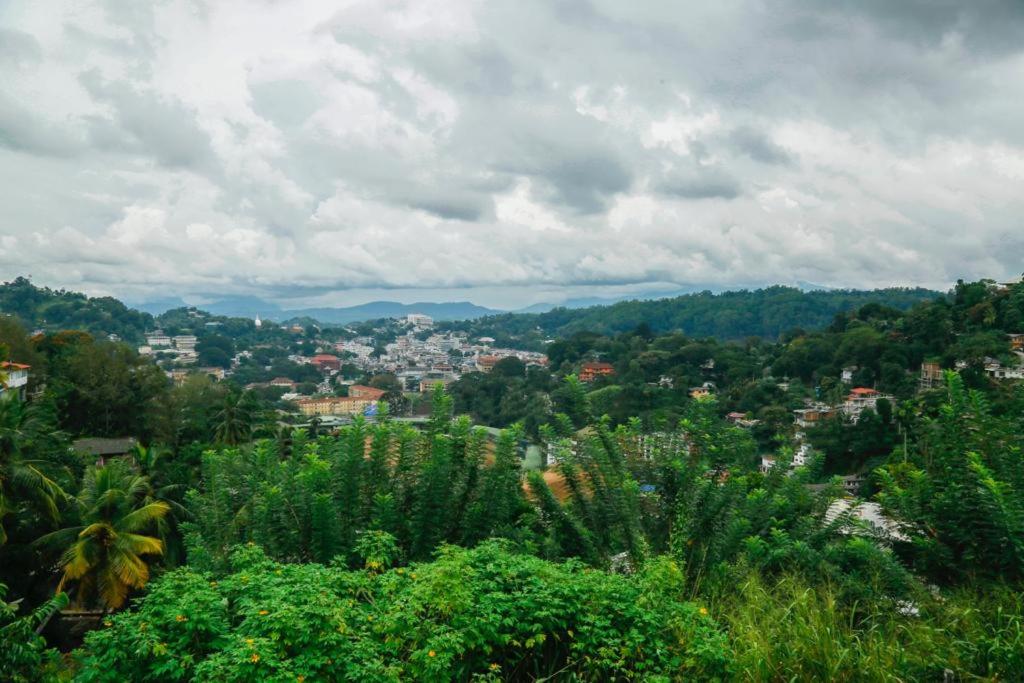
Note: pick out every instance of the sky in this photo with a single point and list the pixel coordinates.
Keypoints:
(507, 152)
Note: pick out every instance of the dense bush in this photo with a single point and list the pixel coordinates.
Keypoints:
(486, 613)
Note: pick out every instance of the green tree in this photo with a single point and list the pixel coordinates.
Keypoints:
(26, 430)
(104, 556)
(24, 651)
(235, 419)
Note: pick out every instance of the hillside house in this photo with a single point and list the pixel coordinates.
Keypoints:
(998, 371)
(325, 362)
(931, 375)
(104, 449)
(13, 380)
(861, 399)
(363, 391)
(703, 391)
(813, 415)
(591, 371)
(486, 363)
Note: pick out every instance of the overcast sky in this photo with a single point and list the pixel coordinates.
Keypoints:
(507, 152)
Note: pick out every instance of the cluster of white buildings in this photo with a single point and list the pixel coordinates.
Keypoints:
(180, 348)
(858, 400)
(997, 370)
(801, 455)
(440, 358)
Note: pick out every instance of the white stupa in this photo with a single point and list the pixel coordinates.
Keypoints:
(258, 322)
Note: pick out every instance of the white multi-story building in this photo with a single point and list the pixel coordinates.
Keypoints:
(13, 379)
(419, 320)
(184, 342)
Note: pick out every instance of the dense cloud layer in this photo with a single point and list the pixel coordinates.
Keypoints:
(296, 148)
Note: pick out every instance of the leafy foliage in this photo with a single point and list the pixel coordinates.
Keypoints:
(105, 552)
(23, 652)
(486, 612)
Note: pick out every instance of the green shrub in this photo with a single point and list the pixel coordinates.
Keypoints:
(485, 612)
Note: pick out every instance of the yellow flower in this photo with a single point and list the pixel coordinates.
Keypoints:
(300, 678)
(399, 571)
(264, 612)
(249, 641)
(704, 611)
(181, 617)
(108, 623)
(431, 654)
(255, 658)
(495, 666)
(278, 572)
(369, 617)
(413, 575)
(213, 584)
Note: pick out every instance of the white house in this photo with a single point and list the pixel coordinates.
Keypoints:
(860, 399)
(14, 378)
(869, 519)
(996, 370)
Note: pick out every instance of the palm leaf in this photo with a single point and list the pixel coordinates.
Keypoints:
(143, 517)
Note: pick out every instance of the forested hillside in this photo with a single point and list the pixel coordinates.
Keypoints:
(58, 309)
(765, 313)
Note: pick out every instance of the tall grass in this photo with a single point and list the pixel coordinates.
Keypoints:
(788, 630)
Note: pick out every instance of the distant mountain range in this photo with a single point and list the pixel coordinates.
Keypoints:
(250, 306)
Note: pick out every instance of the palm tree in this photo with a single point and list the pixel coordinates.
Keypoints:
(147, 459)
(104, 554)
(234, 421)
(24, 429)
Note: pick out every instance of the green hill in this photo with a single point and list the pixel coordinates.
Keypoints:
(58, 309)
(763, 313)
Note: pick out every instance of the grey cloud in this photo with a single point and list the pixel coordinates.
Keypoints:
(700, 184)
(18, 47)
(146, 123)
(287, 103)
(586, 182)
(758, 146)
(469, 210)
(990, 27)
(446, 196)
(27, 131)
